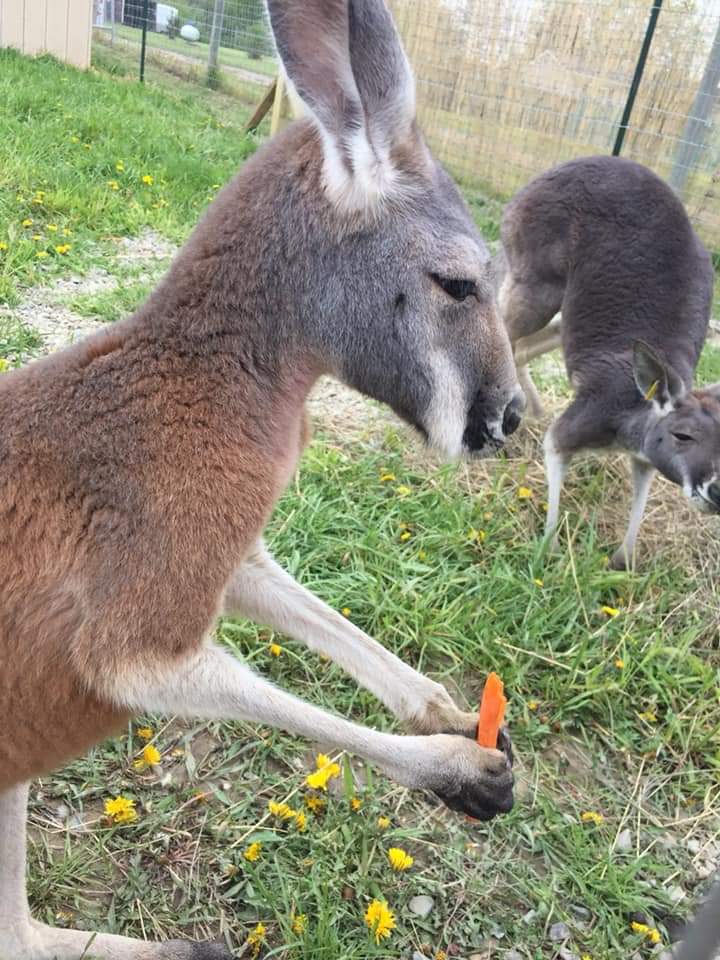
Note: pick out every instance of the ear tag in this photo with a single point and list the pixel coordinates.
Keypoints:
(652, 390)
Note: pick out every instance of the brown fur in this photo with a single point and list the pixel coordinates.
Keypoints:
(136, 470)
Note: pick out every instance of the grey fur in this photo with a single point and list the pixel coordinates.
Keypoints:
(359, 290)
(607, 243)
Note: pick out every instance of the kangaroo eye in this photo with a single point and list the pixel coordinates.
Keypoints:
(684, 437)
(457, 289)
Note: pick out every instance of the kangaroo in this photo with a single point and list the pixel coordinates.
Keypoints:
(139, 467)
(607, 243)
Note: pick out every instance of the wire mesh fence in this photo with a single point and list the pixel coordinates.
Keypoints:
(229, 39)
(506, 90)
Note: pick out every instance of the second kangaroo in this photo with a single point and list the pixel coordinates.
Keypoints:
(607, 243)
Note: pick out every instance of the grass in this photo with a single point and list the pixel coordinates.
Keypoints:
(90, 157)
(229, 57)
(612, 713)
(112, 304)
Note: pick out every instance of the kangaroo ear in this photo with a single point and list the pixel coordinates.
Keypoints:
(657, 381)
(346, 63)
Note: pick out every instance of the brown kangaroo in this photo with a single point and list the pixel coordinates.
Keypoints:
(139, 468)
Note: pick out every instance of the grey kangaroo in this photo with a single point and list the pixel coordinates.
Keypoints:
(607, 243)
(138, 468)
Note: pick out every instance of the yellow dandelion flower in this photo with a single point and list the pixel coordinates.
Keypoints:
(256, 939)
(87, 146)
(4, 365)
(66, 232)
(441, 955)
(299, 924)
(150, 757)
(620, 663)
(63, 248)
(322, 760)
(402, 490)
(121, 810)
(315, 804)
(148, 180)
(113, 184)
(37, 236)
(476, 536)
(586, 956)
(27, 222)
(346, 611)
(41, 253)
(320, 779)
(3, 245)
(74, 139)
(380, 920)
(538, 582)
(399, 859)
(300, 821)
(388, 478)
(405, 535)
(145, 733)
(610, 611)
(654, 936)
(281, 810)
(252, 853)
(52, 227)
(383, 822)
(120, 166)
(422, 555)
(642, 928)
(649, 716)
(275, 649)
(533, 705)
(591, 816)
(356, 804)
(524, 493)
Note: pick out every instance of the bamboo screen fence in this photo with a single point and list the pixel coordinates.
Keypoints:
(506, 90)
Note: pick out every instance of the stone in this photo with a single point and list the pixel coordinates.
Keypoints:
(529, 917)
(421, 905)
(559, 932)
(624, 842)
(693, 845)
(582, 913)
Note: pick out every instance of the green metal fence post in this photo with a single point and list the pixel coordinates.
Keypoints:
(146, 14)
(639, 69)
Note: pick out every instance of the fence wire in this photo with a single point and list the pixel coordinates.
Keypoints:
(506, 90)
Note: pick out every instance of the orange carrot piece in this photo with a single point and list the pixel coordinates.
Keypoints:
(492, 711)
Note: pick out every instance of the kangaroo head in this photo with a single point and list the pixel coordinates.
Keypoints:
(390, 278)
(683, 441)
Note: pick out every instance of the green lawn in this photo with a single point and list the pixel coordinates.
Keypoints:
(612, 678)
(88, 157)
(199, 51)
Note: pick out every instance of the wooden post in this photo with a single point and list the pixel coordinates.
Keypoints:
(214, 50)
(281, 112)
(262, 108)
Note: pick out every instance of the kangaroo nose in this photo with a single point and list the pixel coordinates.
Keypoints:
(513, 413)
(714, 494)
